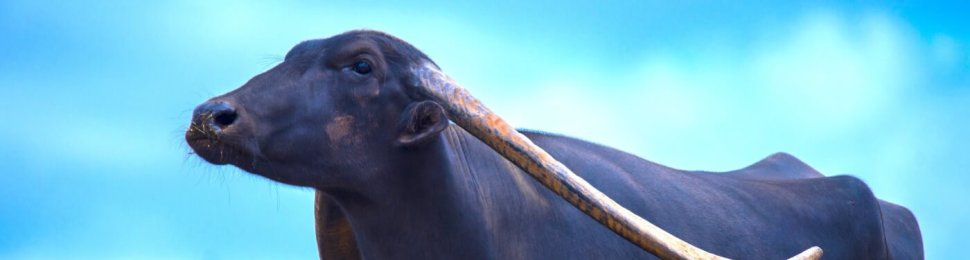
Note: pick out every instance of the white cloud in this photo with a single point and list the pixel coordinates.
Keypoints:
(835, 74)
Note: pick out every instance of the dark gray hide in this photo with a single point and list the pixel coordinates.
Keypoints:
(838, 213)
(400, 182)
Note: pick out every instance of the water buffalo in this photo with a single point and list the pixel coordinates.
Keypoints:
(364, 118)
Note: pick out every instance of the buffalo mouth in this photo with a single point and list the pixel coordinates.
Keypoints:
(216, 149)
(229, 149)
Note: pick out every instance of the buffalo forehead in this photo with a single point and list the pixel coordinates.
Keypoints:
(306, 47)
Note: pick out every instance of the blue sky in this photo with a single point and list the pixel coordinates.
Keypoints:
(96, 95)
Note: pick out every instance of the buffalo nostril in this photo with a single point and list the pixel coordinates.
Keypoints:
(224, 118)
(212, 116)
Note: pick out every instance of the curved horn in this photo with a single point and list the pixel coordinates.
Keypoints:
(478, 120)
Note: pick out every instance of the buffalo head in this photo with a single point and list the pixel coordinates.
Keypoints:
(324, 117)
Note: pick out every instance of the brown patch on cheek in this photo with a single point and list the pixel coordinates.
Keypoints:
(340, 128)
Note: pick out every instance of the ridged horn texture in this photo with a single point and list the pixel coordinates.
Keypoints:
(474, 117)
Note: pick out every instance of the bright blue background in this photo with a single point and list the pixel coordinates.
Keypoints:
(94, 96)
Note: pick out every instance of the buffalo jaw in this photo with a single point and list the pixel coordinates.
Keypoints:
(474, 117)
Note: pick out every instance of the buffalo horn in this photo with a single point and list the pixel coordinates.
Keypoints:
(470, 114)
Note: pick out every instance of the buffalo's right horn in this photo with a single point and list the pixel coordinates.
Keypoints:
(478, 120)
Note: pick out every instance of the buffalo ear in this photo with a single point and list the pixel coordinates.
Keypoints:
(421, 122)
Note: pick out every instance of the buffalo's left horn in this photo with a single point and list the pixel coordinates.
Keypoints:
(478, 120)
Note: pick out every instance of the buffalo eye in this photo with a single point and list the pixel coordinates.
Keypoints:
(361, 67)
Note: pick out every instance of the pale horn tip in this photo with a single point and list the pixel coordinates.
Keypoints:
(813, 253)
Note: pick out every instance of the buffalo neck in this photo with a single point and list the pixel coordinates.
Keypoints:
(421, 198)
